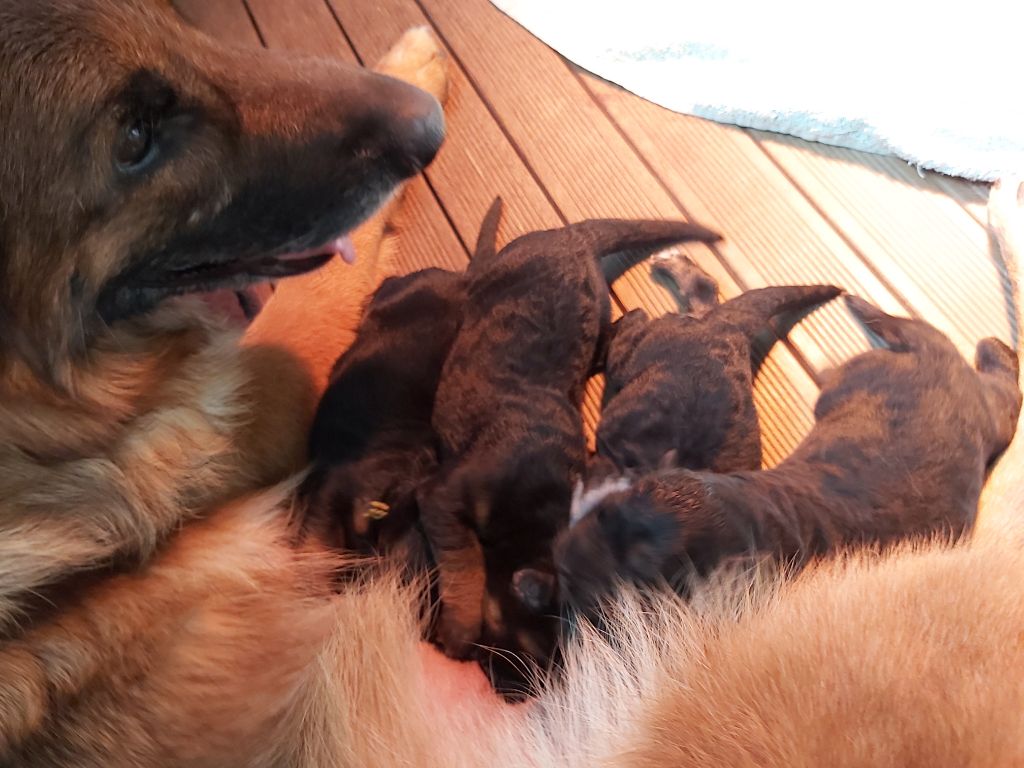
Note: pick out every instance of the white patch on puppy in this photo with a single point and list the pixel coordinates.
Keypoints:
(585, 499)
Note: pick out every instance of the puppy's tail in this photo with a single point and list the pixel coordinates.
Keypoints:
(602, 237)
(752, 310)
(901, 334)
(486, 241)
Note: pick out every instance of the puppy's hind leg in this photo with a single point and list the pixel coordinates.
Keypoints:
(694, 290)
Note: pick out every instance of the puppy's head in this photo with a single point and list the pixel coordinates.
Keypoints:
(620, 534)
(143, 160)
(516, 505)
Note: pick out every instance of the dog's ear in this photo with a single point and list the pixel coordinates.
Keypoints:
(535, 589)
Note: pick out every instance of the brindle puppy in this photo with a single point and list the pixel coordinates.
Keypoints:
(372, 443)
(682, 388)
(508, 416)
(900, 448)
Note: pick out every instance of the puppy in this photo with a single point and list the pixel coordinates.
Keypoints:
(372, 443)
(507, 414)
(680, 389)
(902, 440)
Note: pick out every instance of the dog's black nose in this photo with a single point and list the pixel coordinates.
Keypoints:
(412, 124)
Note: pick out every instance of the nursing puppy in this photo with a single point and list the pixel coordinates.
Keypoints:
(372, 443)
(681, 389)
(507, 414)
(900, 448)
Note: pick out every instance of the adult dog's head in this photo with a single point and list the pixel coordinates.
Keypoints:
(139, 159)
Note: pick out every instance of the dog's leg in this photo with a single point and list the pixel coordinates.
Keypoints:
(310, 320)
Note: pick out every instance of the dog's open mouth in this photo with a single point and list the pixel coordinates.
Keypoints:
(141, 290)
(202, 277)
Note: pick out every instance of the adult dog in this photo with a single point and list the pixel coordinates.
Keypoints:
(153, 614)
(142, 161)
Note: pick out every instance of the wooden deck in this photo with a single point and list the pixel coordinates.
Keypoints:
(561, 145)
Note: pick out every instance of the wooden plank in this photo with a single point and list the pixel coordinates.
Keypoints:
(302, 26)
(223, 20)
(926, 244)
(773, 235)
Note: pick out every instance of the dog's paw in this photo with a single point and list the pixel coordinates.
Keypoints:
(419, 58)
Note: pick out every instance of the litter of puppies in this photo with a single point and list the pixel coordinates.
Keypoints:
(469, 465)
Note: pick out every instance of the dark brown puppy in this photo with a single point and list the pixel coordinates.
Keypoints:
(159, 163)
(900, 448)
(372, 443)
(681, 388)
(508, 416)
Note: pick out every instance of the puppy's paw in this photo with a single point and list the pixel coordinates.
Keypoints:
(419, 58)
(456, 638)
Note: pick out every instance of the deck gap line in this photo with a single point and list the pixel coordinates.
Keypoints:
(344, 34)
(741, 283)
(255, 24)
(857, 251)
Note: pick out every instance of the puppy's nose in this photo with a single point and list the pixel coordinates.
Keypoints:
(413, 126)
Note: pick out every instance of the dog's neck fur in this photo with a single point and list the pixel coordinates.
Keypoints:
(150, 420)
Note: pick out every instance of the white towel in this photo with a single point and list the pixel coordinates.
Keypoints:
(939, 84)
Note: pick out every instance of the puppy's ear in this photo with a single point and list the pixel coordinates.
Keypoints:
(629, 325)
(644, 536)
(670, 460)
(535, 589)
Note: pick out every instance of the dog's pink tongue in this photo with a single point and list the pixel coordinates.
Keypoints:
(345, 249)
(341, 246)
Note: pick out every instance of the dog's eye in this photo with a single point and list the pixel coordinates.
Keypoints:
(134, 146)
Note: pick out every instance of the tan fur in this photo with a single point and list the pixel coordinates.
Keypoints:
(201, 647)
(212, 639)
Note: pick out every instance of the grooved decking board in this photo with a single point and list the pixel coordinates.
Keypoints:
(932, 250)
(773, 235)
(590, 170)
(224, 20)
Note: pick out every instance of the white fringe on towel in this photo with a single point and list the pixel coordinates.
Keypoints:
(940, 84)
